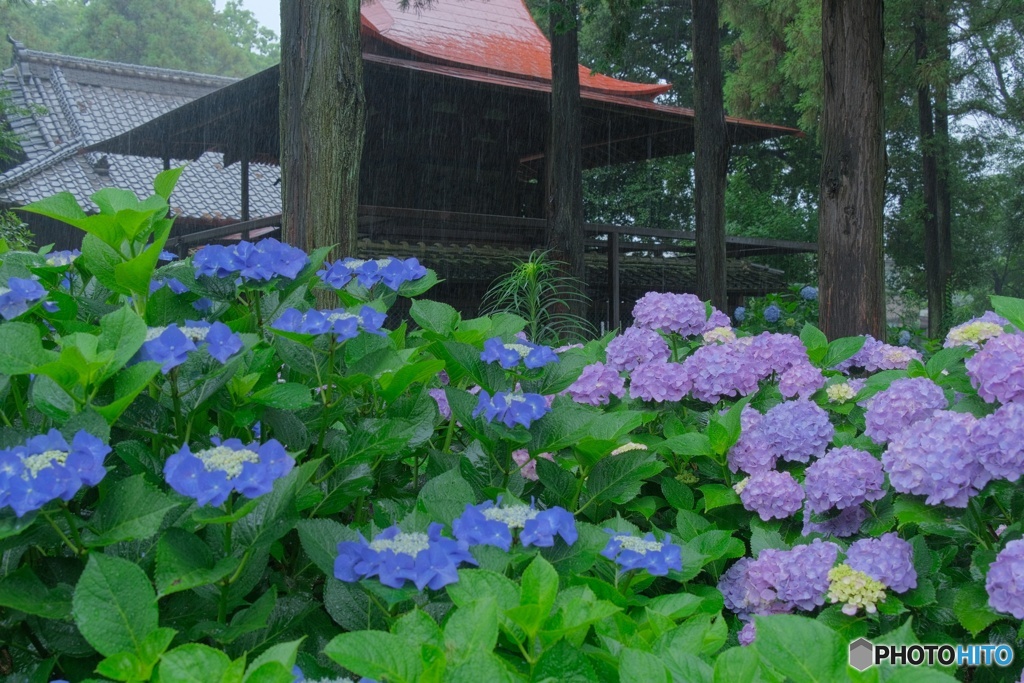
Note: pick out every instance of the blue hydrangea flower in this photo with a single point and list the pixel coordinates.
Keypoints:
(888, 559)
(659, 381)
(842, 478)
(167, 256)
(203, 304)
(46, 468)
(18, 296)
(1005, 580)
(210, 475)
(511, 408)
(428, 560)
(937, 458)
(684, 314)
(772, 313)
(636, 346)
(62, 258)
(341, 323)
(174, 284)
(904, 338)
(491, 523)
(596, 384)
(740, 314)
(809, 293)
(631, 552)
(772, 495)
(997, 370)
(259, 262)
(510, 355)
(171, 345)
(391, 271)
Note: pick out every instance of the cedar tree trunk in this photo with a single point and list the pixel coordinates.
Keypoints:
(851, 276)
(934, 275)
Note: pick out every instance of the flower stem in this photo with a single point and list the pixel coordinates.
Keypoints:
(67, 541)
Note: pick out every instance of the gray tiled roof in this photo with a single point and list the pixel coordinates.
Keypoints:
(67, 103)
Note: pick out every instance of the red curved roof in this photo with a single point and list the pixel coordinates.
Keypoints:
(497, 36)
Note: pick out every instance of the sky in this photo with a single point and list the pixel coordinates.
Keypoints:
(268, 12)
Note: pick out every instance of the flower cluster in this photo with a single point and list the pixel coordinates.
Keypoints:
(46, 468)
(842, 478)
(509, 356)
(779, 580)
(999, 439)
(905, 402)
(1005, 580)
(888, 559)
(596, 384)
(750, 453)
(511, 407)
(684, 314)
(18, 296)
(800, 379)
(877, 355)
(975, 332)
(391, 271)
(841, 392)
(772, 314)
(720, 370)
(171, 345)
(339, 322)
(62, 258)
(635, 347)
(528, 465)
(210, 475)
(855, 589)
(428, 560)
(935, 458)
(659, 381)
(846, 523)
(493, 524)
(740, 313)
(172, 283)
(796, 430)
(772, 495)
(258, 262)
(997, 371)
(720, 335)
(631, 552)
(809, 293)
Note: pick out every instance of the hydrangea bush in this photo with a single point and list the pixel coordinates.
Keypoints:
(213, 478)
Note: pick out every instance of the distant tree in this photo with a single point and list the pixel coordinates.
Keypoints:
(322, 109)
(850, 246)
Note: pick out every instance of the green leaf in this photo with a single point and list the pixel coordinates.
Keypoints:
(563, 663)
(815, 342)
(972, 609)
(718, 495)
(131, 511)
(618, 478)
(184, 561)
(193, 663)
(23, 591)
(286, 396)
(636, 666)
(912, 510)
(276, 662)
(689, 444)
(114, 605)
(474, 583)
(737, 665)
(320, 538)
(842, 349)
(539, 585)
(480, 667)
(163, 184)
(377, 655)
(800, 648)
(445, 497)
(51, 400)
(472, 628)
(1009, 308)
(62, 206)
(435, 316)
(944, 360)
(101, 259)
(275, 513)
(22, 349)
(678, 494)
(128, 384)
(393, 384)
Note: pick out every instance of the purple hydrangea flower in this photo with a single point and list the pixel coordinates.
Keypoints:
(491, 523)
(801, 379)
(797, 430)
(779, 580)
(936, 458)
(846, 523)
(1005, 580)
(747, 634)
(631, 552)
(596, 384)
(684, 314)
(339, 322)
(751, 452)
(905, 402)
(842, 478)
(528, 465)
(442, 402)
(172, 283)
(974, 333)
(770, 352)
(772, 313)
(510, 355)
(877, 355)
(772, 495)
(1000, 442)
(428, 560)
(659, 381)
(634, 347)
(809, 293)
(997, 371)
(716, 320)
(888, 559)
(46, 468)
(259, 262)
(210, 475)
(18, 296)
(718, 371)
(511, 408)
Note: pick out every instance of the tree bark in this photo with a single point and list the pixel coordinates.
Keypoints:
(850, 248)
(711, 154)
(322, 107)
(564, 176)
(944, 209)
(934, 275)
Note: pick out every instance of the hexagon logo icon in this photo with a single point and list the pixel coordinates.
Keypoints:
(862, 654)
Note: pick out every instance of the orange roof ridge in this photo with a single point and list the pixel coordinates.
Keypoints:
(497, 36)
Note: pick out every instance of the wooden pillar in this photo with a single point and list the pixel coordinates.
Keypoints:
(614, 284)
(245, 191)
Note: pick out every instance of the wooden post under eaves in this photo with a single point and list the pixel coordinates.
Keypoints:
(613, 278)
(245, 191)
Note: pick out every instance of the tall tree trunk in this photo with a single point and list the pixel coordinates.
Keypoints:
(851, 274)
(934, 275)
(944, 209)
(564, 176)
(711, 154)
(322, 108)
